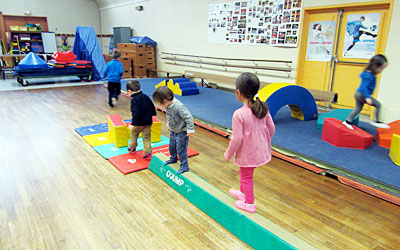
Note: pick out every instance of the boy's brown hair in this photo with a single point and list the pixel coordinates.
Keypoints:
(133, 85)
(116, 54)
(163, 93)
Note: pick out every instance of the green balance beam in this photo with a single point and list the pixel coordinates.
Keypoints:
(253, 229)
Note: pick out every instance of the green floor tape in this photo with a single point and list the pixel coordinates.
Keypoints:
(250, 228)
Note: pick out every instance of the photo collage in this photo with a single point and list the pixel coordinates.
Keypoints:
(258, 22)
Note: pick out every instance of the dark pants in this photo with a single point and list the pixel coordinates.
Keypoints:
(114, 90)
(360, 101)
(178, 143)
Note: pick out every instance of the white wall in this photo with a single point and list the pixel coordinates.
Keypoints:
(62, 15)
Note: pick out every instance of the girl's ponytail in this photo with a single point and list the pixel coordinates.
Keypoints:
(259, 108)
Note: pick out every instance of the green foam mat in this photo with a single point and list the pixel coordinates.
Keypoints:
(253, 229)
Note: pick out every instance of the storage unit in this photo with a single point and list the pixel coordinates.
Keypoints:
(143, 57)
(26, 41)
(122, 35)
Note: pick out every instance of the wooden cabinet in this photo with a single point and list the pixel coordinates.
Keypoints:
(26, 41)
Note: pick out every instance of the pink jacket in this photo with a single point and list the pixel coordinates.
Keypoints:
(251, 138)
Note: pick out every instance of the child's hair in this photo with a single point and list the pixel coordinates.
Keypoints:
(248, 85)
(376, 62)
(163, 93)
(133, 85)
(116, 54)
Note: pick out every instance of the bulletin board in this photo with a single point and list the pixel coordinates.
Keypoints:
(255, 22)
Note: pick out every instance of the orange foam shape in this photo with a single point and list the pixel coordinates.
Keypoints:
(384, 135)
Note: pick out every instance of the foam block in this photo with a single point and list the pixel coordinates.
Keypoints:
(155, 130)
(395, 149)
(384, 136)
(337, 134)
(97, 139)
(299, 99)
(118, 131)
(340, 114)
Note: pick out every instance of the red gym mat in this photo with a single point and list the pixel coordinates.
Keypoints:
(132, 162)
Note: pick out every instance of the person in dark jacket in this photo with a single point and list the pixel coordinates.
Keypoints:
(143, 110)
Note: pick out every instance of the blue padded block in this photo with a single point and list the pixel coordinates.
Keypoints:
(180, 80)
(94, 129)
(110, 150)
(293, 95)
(340, 114)
(189, 88)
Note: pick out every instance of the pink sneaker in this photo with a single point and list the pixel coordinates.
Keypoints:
(251, 208)
(237, 194)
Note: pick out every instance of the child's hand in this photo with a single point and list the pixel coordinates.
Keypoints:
(191, 135)
(368, 101)
(130, 127)
(226, 160)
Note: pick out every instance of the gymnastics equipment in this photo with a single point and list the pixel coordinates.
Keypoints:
(128, 163)
(155, 130)
(109, 150)
(97, 139)
(299, 99)
(180, 86)
(395, 149)
(118, 131)
(340, 114)
(32, 61)
(337, 134)
(254, 229)
(384, 135)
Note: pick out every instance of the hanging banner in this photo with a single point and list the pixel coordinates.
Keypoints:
(320, 41)
(361, 35)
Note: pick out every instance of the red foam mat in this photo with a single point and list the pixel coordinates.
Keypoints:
(132, 162)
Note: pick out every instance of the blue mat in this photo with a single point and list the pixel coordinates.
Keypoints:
(301, 137)
(94, 129)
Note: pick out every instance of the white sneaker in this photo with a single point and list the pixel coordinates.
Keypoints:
(347, 125)
(379, 124)
(114, 101)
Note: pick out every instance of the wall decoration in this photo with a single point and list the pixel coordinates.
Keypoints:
(361, 35)
(255, 22)
(320, 41)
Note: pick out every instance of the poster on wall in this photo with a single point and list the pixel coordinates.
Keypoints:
(320, 41)
(255, 22)
(217, 23)
(361, 35)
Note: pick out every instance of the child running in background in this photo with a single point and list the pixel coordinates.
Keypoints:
(180, 125)
(143, 110)
(113, 72)
(364, 92)
(252, 130)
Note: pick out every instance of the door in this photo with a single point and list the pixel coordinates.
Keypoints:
(360, 32)
(355, 48)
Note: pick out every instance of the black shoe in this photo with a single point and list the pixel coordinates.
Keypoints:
(169, 162)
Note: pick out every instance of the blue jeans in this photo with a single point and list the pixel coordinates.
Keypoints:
(178, 143)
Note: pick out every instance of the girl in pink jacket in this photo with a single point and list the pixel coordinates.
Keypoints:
(252, 129)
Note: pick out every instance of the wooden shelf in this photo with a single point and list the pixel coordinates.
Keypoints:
(28, 41)
(25, 32)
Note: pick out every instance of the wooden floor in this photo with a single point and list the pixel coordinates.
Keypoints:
(56, 192)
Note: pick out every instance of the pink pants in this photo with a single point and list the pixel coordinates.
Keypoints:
(246, 183)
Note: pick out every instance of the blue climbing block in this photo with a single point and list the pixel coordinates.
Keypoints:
(180, 80)
(189, 88)
(94, 129)
(110, 150)
(340, 114)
